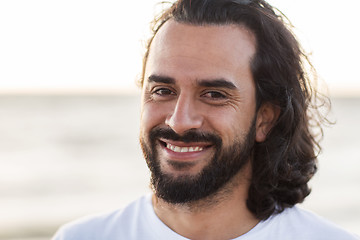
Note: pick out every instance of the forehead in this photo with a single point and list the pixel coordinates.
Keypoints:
(206, 50)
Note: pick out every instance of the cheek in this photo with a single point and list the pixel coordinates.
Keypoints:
(231, 124)
(151, 116)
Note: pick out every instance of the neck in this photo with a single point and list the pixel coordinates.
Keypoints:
(221, 216)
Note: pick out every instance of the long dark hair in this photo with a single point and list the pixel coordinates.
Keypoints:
(285, 162)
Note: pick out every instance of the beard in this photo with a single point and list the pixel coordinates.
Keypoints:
(224, 165)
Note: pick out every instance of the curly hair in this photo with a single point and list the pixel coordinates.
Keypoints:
(285, 162)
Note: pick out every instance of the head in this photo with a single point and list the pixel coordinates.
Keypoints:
(224, 91)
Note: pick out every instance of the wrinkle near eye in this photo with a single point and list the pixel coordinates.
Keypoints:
(234, 101)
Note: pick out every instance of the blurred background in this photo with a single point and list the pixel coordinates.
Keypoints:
(69, 109)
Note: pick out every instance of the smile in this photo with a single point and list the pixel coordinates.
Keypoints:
(183, 149)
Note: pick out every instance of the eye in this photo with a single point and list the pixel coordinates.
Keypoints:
(163, 92)
(214, 95)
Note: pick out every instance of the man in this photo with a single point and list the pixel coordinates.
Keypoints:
(225, 131)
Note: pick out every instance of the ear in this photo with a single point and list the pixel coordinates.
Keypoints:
(266, 117)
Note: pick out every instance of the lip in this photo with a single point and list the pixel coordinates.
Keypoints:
(181, 151)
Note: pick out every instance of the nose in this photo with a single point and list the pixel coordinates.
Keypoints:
(185, 116)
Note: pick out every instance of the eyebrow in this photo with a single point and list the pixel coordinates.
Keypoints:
(161, 79)
(213, 83)
(216, 83)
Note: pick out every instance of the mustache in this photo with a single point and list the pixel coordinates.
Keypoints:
(189, 136)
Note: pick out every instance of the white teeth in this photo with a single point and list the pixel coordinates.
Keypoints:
(183, 149)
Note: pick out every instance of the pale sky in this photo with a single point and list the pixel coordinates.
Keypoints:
(97, 45)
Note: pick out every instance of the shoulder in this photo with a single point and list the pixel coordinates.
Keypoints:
(108, 225)
(304, 224)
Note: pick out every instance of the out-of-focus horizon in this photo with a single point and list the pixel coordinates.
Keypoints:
(78, 46)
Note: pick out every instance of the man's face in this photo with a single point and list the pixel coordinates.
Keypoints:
(198, 118)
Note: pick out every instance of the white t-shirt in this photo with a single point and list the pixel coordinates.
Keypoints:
(138, 221)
